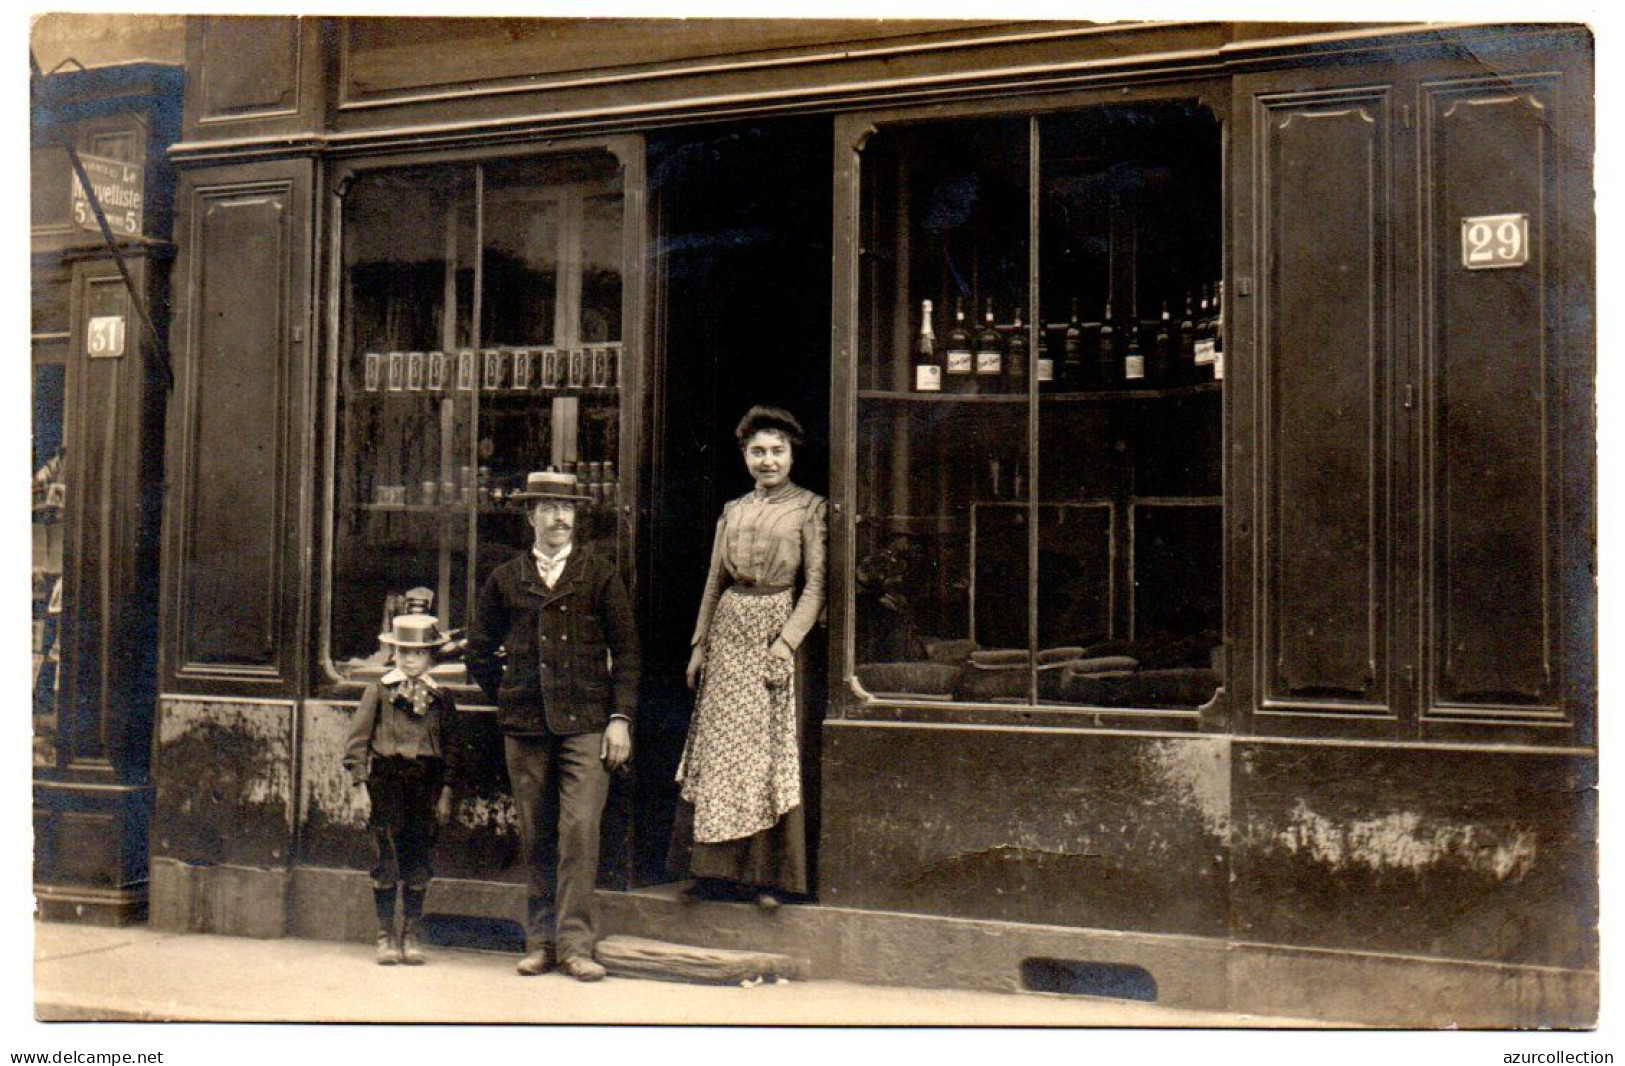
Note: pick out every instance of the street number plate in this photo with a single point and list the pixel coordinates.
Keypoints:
(1492, 242)
(106, 339)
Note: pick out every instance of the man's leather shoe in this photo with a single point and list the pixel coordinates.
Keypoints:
(582, 968)
(537, 962)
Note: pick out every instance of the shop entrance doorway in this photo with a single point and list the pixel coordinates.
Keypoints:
(740, 268)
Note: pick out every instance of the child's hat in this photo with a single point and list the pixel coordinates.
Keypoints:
(414, 631)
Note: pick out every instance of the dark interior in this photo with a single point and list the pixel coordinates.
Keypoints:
(741, 222)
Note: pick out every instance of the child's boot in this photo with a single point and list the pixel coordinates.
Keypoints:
(411, 944)
(389, 945)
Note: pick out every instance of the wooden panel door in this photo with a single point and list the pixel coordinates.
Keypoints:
(1411, 419)
(1323, 224)
(241, 443)
(1504, 240)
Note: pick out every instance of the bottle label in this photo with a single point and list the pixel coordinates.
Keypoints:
(1134, 368)
(960, 361)
(1205, 352)
(1218, 367)
(1046, 370)
(989, 364)
(928, 378)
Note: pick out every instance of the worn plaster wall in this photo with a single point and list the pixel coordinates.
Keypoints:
(1473, 854)
(1110, 831)
(481, 842)
(97, 40)
(224, 776)
(1480, 854)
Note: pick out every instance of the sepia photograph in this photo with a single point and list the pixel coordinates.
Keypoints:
(1027, 520)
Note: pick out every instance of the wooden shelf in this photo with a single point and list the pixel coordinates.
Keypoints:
(437, 508)
(490, 395)
(1095, 396)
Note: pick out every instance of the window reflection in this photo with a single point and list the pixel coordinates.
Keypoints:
(49, 500)
(479, 341)
(1039, 489)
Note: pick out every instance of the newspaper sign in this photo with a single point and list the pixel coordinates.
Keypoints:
(118, 188)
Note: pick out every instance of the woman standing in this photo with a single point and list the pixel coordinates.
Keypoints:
(741, 766)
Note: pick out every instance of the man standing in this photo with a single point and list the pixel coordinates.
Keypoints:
(565, 699)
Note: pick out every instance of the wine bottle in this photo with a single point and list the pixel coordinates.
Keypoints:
(1218, 331)
(1015, 369)
(1108, 362)
(1045, 364)
(1133, 356)
(1072, 375)
(1202, 348)
(1162, 349)
(927, 364)
(1186, 370)
(959, 371)
(989, 354)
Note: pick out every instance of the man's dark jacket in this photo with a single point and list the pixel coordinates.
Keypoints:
(560, 645)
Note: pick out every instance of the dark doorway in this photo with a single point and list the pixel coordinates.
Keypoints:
(741, 222)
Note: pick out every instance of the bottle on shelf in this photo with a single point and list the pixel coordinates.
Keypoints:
(927, 363)
(1044, 365)
(1218, 331)
(960, 364)
(1202, 346)
(1185, 369)
(1108, 362)
(1162, 350)
(1016, 351)
(1072, 371)
(1133, 356)
(989, 354)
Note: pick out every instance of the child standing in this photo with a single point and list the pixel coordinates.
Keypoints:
(403, 748)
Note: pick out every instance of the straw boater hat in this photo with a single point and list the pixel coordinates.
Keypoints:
(414, 631)
(550, 485)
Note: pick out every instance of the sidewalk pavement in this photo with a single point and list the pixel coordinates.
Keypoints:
(85, 973)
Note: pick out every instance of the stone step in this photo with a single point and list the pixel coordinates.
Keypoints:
(633, 956)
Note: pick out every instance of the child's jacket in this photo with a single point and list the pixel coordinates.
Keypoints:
(406, 718)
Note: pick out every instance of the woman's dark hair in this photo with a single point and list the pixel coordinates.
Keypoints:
(772, 419)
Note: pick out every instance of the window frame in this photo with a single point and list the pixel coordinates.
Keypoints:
(849, 699)
(627, 150)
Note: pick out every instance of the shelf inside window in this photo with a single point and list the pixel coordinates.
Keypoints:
(1095, 396)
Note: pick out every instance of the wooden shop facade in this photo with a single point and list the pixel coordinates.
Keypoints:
(1205, 411)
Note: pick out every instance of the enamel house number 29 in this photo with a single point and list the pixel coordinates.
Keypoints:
(1489, 242)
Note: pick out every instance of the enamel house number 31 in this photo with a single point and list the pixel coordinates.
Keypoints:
(1490, 242)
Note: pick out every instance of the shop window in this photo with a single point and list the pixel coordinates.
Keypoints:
(1039, 515)
(49, 501)
(479, 339)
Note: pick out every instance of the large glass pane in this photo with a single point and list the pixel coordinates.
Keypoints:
(49, 501)
(1129, 604)
(551, 313)
(406, 394)
(943, 542)
(480, 341)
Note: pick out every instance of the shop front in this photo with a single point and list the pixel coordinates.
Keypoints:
(1204, 411)
(99, 385)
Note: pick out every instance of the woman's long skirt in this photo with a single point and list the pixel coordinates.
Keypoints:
(741, 767)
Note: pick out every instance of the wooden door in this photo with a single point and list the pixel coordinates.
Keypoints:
(1412, 425)
(240, 444)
